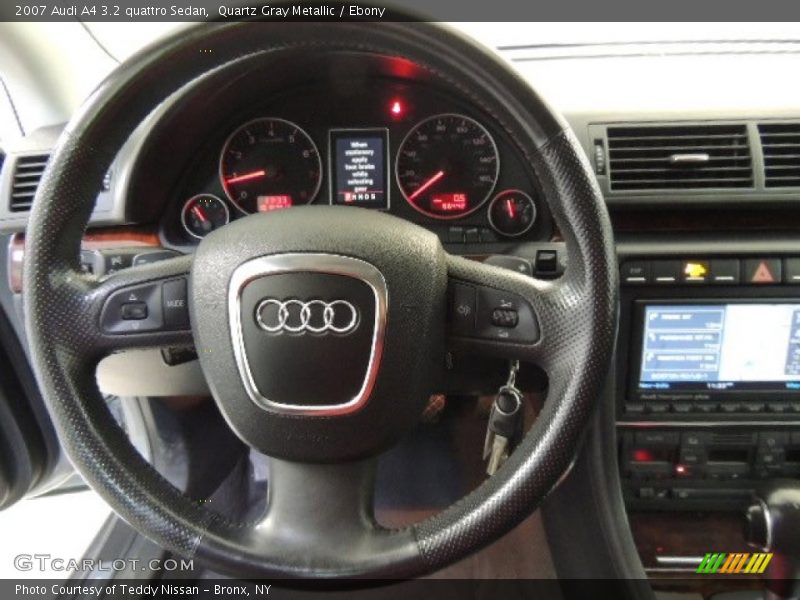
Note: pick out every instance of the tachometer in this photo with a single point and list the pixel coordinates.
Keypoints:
(269, 163)
(447, 166)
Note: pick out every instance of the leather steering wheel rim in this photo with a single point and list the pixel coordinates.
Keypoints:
(577, 315)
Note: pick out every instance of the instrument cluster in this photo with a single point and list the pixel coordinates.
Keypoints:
(416, 152)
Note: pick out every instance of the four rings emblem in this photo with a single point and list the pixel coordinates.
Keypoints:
(312, 316)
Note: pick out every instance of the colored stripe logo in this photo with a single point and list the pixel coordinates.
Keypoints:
(735, 563)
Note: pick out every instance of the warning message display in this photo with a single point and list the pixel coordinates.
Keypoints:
(360, 171)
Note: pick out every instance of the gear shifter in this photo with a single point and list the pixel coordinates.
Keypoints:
(773, 525)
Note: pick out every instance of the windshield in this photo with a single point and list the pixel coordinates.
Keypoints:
(554, 39)
(538, 35)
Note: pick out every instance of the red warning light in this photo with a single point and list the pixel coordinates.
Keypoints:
(643, 455)
(396, 108)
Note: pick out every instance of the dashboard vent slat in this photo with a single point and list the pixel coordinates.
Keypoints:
(679, 157)
(780, 143)
(27, 174)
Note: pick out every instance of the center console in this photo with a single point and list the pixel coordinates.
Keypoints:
(708, 377)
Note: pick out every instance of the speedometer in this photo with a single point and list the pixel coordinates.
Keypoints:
(447, 166)
(270, 163)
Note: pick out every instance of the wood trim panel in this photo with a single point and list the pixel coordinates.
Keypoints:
(115, 237)
(691, 534)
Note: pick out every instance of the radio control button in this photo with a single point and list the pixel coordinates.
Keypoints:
(773, 439)
(682, 407)
(504, 318)
(769, 458)
(725, 271)
(791, 270)
(176, 310)
(647, 493)
(635, 272)
(753, 407)
(706, 407)
(731, 407)
(666, 272)
(650, 470)
(778, 407)
(695, 439)
(516, 314)
(657, 407)
(692, 457)
(683, 493)
(133, 311)
(649, 438)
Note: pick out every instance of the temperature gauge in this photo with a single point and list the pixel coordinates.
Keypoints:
(512, 213)
(204, 213)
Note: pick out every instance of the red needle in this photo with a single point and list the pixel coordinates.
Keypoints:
(426, 185)
(510, 207)
(199, 214)
(247, 176)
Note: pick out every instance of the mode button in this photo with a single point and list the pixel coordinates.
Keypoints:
(176, 310)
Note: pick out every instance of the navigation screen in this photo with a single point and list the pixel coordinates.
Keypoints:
(721, 347)
(359, 172)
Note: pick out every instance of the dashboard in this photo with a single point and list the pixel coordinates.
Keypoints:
(409, 149)
(706, 386)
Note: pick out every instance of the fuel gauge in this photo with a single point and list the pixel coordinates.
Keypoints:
(512, 213)
(204, 213)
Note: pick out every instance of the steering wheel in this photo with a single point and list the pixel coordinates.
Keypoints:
(323, 401)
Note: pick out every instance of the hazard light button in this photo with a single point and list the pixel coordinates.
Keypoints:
(762, 271)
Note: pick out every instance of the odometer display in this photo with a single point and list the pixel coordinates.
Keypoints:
(447, 166)
(270, 158)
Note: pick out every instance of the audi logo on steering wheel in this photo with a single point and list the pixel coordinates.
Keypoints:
(312, 316)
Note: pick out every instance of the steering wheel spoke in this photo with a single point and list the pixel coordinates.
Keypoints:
(139, 307)
(501, 313)
(327, 507)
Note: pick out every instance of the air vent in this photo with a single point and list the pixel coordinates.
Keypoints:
(679, 157)
(781, 145)
(27, 173)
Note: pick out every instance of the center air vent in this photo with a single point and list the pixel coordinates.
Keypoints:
(27, 173)
(781, 145)
(679, 157)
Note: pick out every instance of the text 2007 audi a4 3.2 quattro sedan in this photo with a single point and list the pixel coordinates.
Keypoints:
(377, 304)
